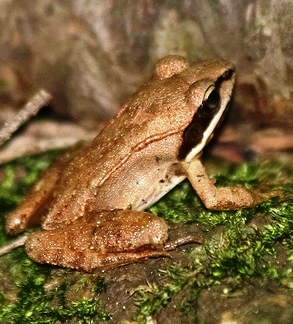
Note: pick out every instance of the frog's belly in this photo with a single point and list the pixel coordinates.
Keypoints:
(145, 176)
(138, 188)
(159, 191)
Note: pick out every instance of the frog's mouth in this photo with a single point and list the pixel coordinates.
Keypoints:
(219, 122)
(210, 138)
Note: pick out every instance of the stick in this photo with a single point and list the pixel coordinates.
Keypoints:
(13, 245)
(40, 99)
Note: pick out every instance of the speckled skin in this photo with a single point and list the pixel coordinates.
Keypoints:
(87, 196)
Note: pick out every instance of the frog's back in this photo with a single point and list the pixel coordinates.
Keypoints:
(137, 127)
(138, 147)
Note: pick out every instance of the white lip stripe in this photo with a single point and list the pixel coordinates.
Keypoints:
(207, 133)
(190, 156)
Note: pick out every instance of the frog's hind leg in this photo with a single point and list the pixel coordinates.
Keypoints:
(101, 241)
(31, 209)
(88, 261)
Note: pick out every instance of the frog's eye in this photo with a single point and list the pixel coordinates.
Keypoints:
(212, 100)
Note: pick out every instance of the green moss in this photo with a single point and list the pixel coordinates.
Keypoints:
(35, 305)
(239, 246)
(37, 298)
(13, 188)
(19, 175)
(27, 297)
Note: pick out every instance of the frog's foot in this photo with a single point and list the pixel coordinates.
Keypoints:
(234, 198)
(172, 245)
(226, 198)
(100, 241)
(260, 197)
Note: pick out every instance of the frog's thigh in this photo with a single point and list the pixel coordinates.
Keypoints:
(228, 198)
(102, 240)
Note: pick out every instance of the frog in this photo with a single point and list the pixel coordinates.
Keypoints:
(91, 201)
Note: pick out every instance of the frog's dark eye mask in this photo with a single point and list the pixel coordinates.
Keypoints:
(206, 119)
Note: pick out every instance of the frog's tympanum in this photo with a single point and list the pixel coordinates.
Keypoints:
(90, 202)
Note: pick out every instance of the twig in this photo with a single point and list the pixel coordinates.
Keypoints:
(13, 245)
(40, 99)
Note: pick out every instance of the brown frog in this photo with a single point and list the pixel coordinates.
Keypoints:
(90, 202)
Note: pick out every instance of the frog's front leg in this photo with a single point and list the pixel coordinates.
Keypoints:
(227, 198)
(101, 240)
